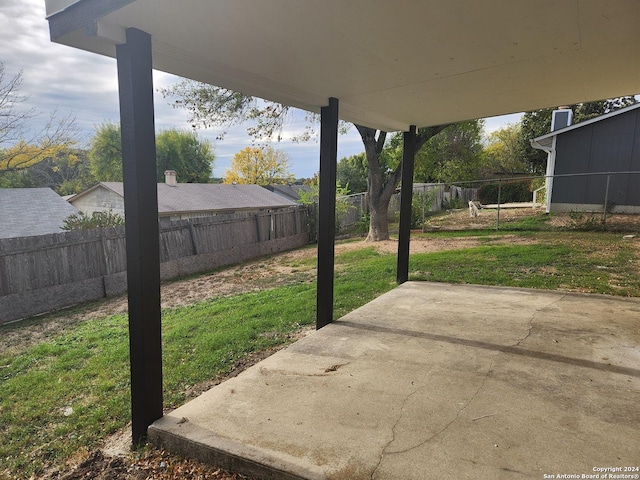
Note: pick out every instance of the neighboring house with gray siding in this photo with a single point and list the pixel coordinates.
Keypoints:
(181, 201)
(608, 144)
(25, 212)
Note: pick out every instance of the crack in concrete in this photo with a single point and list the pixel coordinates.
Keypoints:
(533, 317)
(442, 430)
(393, 431)
(520, 340)
(464, 407)
(458, 413)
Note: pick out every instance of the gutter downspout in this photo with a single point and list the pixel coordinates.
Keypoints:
(551, 166)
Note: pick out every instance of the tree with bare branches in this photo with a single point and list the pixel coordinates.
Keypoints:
(21, 148)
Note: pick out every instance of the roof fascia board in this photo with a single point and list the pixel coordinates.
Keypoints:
(86, 192)
(56, 6)
(584, 124)
(104, 185)
(221, 211)
(95, 187)
(82, 15)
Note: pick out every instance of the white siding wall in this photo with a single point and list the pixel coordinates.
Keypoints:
(99, 200)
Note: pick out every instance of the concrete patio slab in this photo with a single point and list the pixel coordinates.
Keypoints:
(434, 381)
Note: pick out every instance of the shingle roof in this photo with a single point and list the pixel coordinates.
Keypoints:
(25, 212)
(199, 197)
(290, 192)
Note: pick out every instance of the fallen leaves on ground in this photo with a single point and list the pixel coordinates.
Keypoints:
(148, 464)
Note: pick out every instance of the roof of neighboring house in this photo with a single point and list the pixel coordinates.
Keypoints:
(25, 212)
(544, 141)
(203, 197)
(290, 192)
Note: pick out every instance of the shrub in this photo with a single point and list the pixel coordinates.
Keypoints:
(418, 200)
(453, 204)
(512, 191)
(585, 221)
(362, 225)
(82, 221)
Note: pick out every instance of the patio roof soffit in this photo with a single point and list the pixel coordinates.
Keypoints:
(391, 64)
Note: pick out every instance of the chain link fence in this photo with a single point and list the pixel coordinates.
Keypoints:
(596, 194)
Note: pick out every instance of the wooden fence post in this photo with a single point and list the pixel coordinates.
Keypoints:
(258, 227)
(192, 233)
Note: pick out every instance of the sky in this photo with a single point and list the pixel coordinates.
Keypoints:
(69, 81)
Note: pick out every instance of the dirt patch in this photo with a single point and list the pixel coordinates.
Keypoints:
(152, 464)
(486, 219)
(614, 222)
(432, 245)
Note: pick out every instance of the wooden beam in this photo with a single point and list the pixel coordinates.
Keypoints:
(327, 212)
(406, 197)
(142, 232)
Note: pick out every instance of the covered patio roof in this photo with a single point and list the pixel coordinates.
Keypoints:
(386, 65)
(391, 64)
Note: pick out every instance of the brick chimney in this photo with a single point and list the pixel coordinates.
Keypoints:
(170, 178)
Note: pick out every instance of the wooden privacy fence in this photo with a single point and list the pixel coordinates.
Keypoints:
(357, 206)
(48, 272)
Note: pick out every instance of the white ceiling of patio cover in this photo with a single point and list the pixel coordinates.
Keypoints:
(390, 63)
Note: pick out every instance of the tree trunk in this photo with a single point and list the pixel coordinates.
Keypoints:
(379, 221)
(382, 183)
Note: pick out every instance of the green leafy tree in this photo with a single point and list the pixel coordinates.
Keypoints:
(311, 196)
(66, 173)
(587, 110)
(216, 106)
(453, 155)
(105, 155)
(352, 171)
(16, 179)
(182, 151)
(178, 150)
(503, 153)
(384, 171)
(259, 166)
(532, 125)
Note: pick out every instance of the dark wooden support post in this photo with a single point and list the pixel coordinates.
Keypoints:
(327, 212)
(406, 196)
(142, 232)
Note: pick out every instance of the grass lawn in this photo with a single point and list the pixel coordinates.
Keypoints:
(62, 395)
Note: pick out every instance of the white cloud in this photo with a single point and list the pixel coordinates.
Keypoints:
(71, 81)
